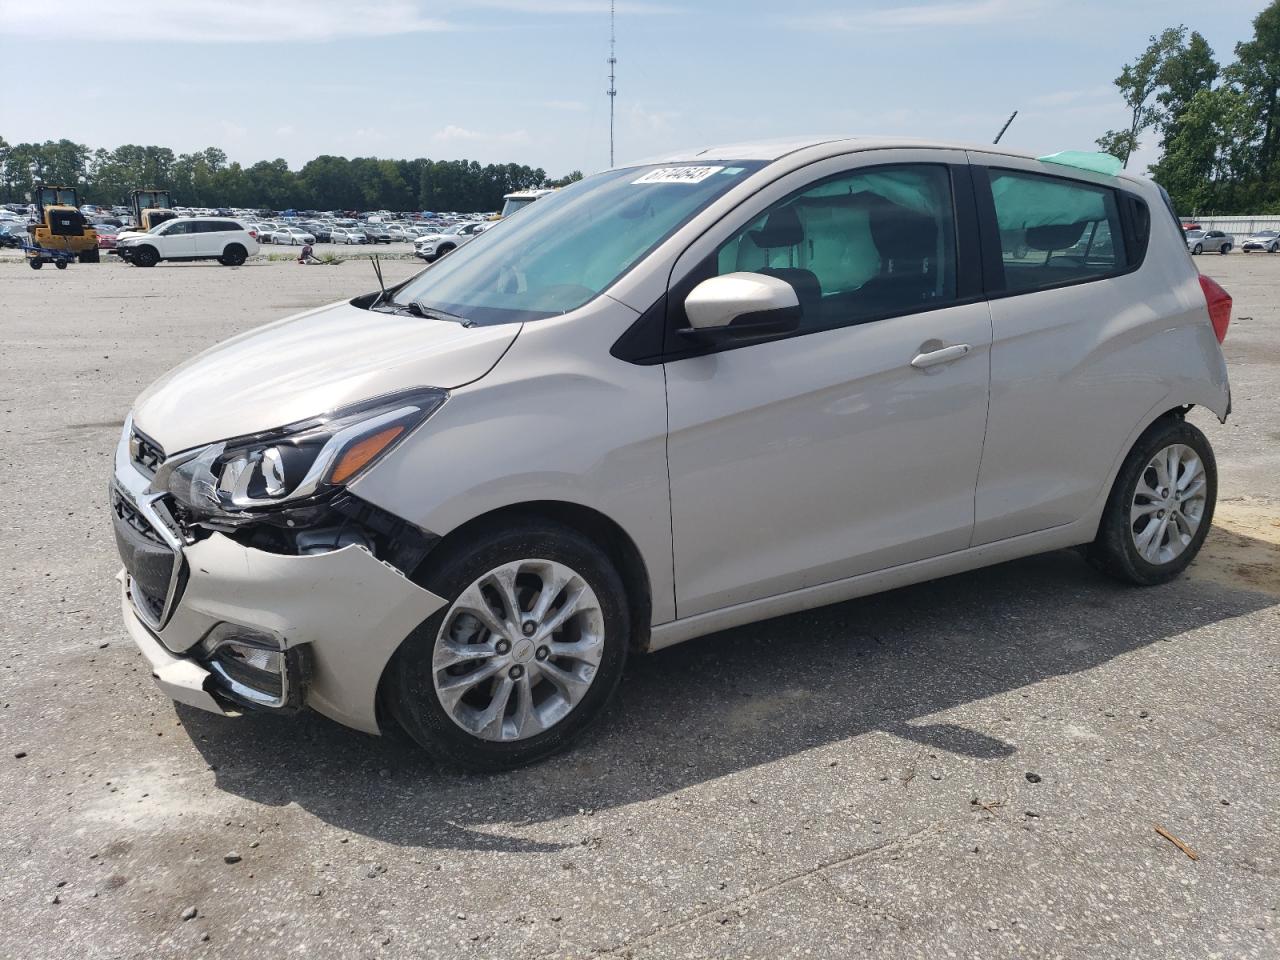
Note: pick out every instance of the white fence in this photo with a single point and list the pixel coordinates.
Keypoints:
(1240, 226)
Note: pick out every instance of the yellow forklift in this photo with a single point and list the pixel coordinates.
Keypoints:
(61, 233)
(150, 208)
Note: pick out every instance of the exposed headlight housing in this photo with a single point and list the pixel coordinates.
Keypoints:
(300, 462)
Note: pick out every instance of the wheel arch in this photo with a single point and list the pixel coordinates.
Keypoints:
(1161, 412)
(590, 523)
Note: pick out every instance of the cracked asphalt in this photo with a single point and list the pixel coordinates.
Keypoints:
(975, 767)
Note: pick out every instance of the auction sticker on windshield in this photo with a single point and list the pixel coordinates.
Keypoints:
(678, 175)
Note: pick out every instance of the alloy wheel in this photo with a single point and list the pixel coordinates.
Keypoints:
(1168, 504)
(518, 650)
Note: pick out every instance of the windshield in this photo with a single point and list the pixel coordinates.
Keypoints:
(570, 245)
(1266, 233)
(1195, 233)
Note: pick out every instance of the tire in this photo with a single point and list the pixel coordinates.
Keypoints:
(410, 686)
(233, 255)
(60, 264)
(1116, 550)
(90, 256)
(1224, 249)
(1273, 248)
(146, 257)
(35, 263)
(1199, 249)
(441, 251)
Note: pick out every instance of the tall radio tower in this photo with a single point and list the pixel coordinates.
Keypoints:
(613, 90)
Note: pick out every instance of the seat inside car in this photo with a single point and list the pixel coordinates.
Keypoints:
(783, 231)
(907, 242)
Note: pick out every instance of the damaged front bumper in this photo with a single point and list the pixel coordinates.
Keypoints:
(237, 627)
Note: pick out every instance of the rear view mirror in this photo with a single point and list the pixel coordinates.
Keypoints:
(741, 305)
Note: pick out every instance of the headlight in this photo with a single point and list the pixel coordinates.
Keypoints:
(304, 460)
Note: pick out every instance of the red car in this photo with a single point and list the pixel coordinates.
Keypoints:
(106, 235)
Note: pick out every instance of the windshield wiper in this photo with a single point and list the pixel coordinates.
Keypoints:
(418, 309)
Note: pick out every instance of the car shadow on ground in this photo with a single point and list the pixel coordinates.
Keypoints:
(729, 702)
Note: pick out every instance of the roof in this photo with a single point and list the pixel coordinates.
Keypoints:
(770, 150)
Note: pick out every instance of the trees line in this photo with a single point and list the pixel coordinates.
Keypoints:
(1218, 126)
(207, 179)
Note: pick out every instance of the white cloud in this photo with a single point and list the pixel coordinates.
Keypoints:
(285, 131)
(1061, 98)
(652, 121)
(573, 6)
(922, 16)
(222, 21)
(454, 134)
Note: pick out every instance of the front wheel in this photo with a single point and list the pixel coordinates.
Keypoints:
(527, 653)
(1225, 249)
(1198, 249)
(35, 262)
(1160, 506)
(146, 257)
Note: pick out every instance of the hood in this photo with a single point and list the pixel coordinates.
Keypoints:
(311, 364)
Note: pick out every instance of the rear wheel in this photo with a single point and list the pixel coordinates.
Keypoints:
(60, 264)
(527, 653)
(146, 256)
(1160, 507)
(90, 256)
(233, 255)
(1225, 249)
(35, 263)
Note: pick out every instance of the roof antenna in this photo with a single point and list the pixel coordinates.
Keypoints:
(377, 272)
(1005, 127)
(613, 90)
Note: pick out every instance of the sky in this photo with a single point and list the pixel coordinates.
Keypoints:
(524, 80)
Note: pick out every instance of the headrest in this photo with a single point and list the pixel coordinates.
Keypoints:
(1057, 236)
(901, 233)
(782, 229)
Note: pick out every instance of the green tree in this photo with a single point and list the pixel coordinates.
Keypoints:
(1138, 81)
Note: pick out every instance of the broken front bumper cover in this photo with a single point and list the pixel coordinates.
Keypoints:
(350, 611)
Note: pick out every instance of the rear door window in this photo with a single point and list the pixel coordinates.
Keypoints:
(1055, 231)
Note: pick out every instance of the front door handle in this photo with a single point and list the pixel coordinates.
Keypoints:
(935, 357)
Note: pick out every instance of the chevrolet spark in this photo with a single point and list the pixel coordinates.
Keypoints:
(669, 399)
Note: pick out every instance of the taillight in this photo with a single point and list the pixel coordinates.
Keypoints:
(1219, 303)
(253, 234)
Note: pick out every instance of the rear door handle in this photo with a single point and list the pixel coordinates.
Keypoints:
(945, 355)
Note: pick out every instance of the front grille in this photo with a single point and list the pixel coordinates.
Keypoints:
(149, 561)
(146, 454)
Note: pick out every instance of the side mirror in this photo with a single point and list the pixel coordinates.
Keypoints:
(741, 305)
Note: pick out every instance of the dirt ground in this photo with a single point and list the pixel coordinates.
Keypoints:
(1016, 762)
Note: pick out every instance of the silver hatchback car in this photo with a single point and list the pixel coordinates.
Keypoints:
(666, 400)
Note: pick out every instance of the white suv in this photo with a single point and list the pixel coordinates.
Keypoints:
(434, 245)
(228, 241)
(665, 401)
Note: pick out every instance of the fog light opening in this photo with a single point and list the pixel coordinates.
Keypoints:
(253, 668)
